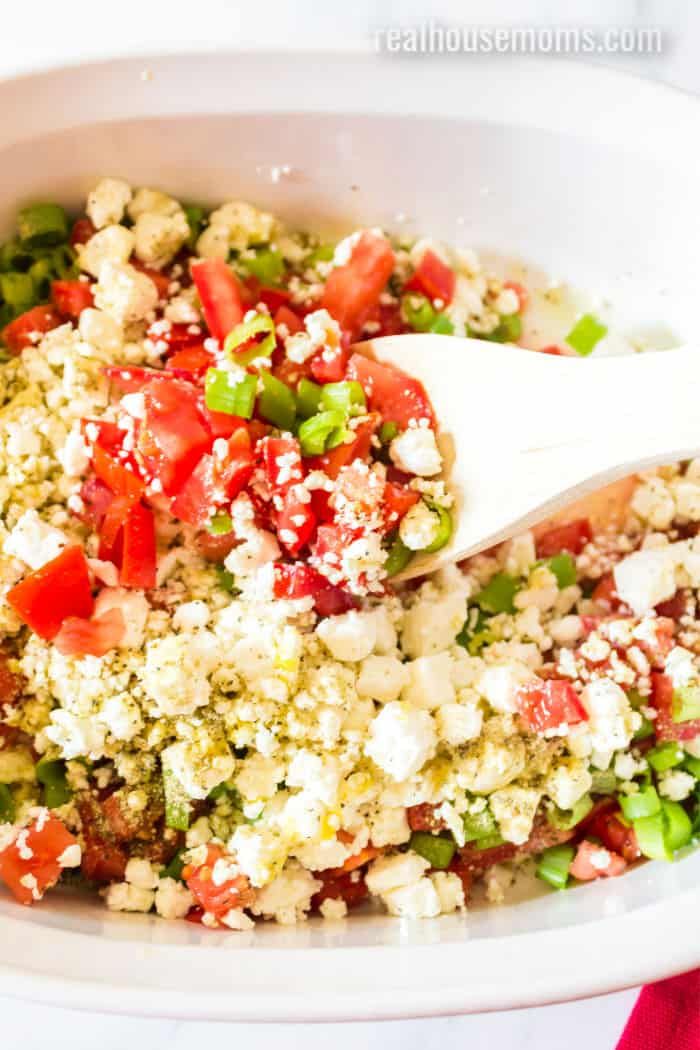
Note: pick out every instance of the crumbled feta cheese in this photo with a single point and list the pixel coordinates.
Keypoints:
(107, 203)
(113, 244)
(401, 740)
(173, 900)
(287, 898)
(568, 782)
(458, 723)
(34, 542)
(122, 896)
(141, 873)
(349, 637)
(382, 678)
(419, 527)
(416, 452)
(514, 808)
(645, 578)
(398, 869)
(676, 785)
(612, 722)
(134, 608)
(429, 682)
(159, 237)
(333, 908)
(500, 684)
(124, 293)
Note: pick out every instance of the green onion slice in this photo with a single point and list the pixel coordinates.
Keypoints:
(565, 819)
(444, 530)
(267, 265)
(276, 403)
(553, 866)
(42, 225)
(51, 773)
(498, 594)
(436, 849)
(644, 803)
(398, 557)
(563, 567)
(686, 703)
(347, 397)
(259, 324)
(665, 756)
(308, 398)
(586, 334)
(235, 398)
(317, 434)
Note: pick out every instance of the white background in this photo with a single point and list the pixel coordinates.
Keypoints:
(46, 32)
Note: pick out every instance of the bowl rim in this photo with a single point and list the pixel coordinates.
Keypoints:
(608, 106)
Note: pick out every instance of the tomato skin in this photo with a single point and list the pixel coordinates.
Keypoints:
(118, 479)
(583, 869)
(79, 637)
(173, 435)
(46, 838)
(220, 295)
(138, 561)
(571, 537)
(433, 278)
(215, 481)
(662, 699)
(194, 359)
(47, 596)
(71, 297)
(398, 398)
(217, 899)
(548, 704)
(552, 351)
(82, 231)
(16, 335)
(284, 315)
(398, 500)
(132, 379)
(353, 290)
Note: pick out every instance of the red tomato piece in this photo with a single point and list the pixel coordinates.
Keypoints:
(397, 397)
(553, 351)
(521, 292)
(215, 548)
(330, 366)
(22, 332)
(353, 290)
(31, 863)
(605, 592)
(433, 278)
(47, 596)
(82, 231)
(274, 298)
(674, 607)
(118, 479)
(592, 862)
(194, 359)
(131, 380)
(282, 462)
(103, 433)
(296, 524)
(398, 500)
(662, 699)
(10, 683)
(473, 861)
(283, 315)
(173, 435)
(71, 297)
(546, 705)
(96, 499)
(220, 294)
(160, 280)
(331, 463)
(571, 537)
(111, 526)
(218, 896)
(138, 568)
(339, 887)
(604, 823)
(303, 581)
(422, 818)
(215, 480)
(79, 637)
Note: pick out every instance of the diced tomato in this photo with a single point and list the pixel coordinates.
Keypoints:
(103, 433)
(178, 336)
(282, 462)
(572, 537)
(544, 835)
(339, 887)
(220, 295)
(96, 499)
(547, 705)
(321, 506)
(103, 860)
(274, 298)
(111, 526)
(173, 436)
(215, 480)
(397, 397)
(604, 823)
(71, 297)
(82, 231)
(303, 581)
(296, 524)
(422, 818)
(353, 290)
(433, 278)
(398, 500)
(521, 292)
(10, 683)
(217, 896)
(133, 379)
(330, 366)
(284, 315)
(193, 359)
(160, 280)
(390, 320)
(47, 596)
(138, 568)
(123, 823)
(35, 852)
(592, 862)
(674, 607)
(118, 479)
(605, 592)
(475, 861)
(331, 463)
(215, 548)
(662, 699)
(221, 424)
(658, 640)
(22, 332)
(79, 637)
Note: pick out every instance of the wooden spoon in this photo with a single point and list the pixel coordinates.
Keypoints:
(523, 434)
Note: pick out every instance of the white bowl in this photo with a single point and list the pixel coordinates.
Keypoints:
(590, 174)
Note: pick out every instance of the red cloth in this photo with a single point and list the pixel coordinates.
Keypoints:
(666, 1016)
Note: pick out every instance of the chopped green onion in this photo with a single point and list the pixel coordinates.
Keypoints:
(7, 805)
(565, 819)
(324, 253)
(553, 866)
(227, 580)
(444, 528)
(177, 803)
(63, 262)
(586, 333)
(442, 325)
(41, 274)
(236, 398)
(347, 397)
(173, 869)
(51, 773)
(686, 703)
(479, 826)
(603, 782)
(563, 567)
(17, 289)
(316, 433)
(692, 766)
(42, 225)
(475, 635)
(645, 730)
(387, 432)
(644, 803)
(436, 849)
(418, 312)
(259, 324)
(276, 403)
(194, 214)
(220, 525)
(267, 265)
(508, 330)
(661, 834)
(665, 756)
(308, 398)
(398, 558)
(650, 836)
(498, 594)
(13, 256)
(678, 827)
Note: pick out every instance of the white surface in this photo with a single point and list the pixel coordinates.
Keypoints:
(43, 33)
